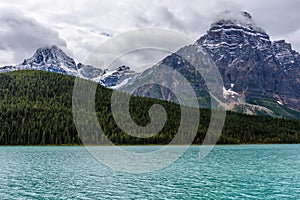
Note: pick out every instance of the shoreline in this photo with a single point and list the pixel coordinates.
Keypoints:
(132, 145)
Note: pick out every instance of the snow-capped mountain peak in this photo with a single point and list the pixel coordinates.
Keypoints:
(50, 55)
(49, 58)
(234, 30)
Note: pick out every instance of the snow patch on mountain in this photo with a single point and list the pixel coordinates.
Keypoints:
(230, 93)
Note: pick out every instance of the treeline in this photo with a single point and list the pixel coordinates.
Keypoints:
(36, 109)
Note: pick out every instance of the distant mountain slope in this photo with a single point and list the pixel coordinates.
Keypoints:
(260, 76)
(36, 109)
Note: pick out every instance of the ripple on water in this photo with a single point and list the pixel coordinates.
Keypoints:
(228, 172)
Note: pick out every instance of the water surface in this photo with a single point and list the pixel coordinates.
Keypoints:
(228, 172)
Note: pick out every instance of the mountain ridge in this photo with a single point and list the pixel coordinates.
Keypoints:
(53, 59)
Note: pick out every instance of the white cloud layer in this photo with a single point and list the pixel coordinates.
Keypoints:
(82, 25)
(20, 36)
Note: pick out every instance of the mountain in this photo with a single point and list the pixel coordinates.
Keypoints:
(260, 76)
(53, 59)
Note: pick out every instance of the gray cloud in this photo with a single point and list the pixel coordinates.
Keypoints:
(23, 35)
(84, 25)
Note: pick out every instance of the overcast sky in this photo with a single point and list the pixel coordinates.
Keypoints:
(78, 26)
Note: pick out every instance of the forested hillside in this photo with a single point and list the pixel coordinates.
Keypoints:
(36, 109)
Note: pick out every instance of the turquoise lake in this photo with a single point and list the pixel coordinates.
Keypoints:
(227, 172)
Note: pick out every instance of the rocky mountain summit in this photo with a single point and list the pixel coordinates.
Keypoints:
(251, 64)
(48, 59)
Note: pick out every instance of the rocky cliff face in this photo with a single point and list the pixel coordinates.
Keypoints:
(251, 64)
